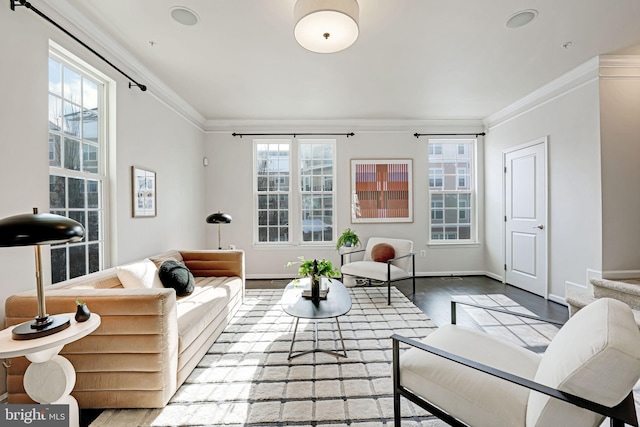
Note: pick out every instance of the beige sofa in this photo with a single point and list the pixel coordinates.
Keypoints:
(149, 340)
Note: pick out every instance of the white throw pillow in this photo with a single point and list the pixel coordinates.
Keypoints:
(143, 274)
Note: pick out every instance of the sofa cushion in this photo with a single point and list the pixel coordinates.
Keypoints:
(382, 252)
(209, 300)
(374, 270)
(177, 276)
(596, 355)
(143, 274)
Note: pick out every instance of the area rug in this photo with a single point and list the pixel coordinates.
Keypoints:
(245, 378)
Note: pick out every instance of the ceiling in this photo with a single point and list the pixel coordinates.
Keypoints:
(413, 60)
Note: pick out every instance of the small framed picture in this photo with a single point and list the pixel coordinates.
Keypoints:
(143, 187)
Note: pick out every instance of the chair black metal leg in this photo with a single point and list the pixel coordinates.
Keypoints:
(397, 416)
(413, 274)
(389, 292)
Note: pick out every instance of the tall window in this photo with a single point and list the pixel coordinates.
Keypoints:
(452, 190)
(316, 173)
(76, 164)
(273, 190)
(290, 213)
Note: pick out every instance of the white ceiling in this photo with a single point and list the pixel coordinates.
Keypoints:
(414, 59)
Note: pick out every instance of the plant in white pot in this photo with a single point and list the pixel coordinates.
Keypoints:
(347, 239)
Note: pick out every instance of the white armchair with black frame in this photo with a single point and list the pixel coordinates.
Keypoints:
(466, 377)
(385, 260)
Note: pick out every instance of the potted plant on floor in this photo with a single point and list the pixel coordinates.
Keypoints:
(347, 239)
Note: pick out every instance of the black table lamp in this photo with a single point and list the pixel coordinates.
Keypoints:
(219, 218)
(39, 229)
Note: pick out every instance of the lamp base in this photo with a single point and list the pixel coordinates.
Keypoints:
(31, 330)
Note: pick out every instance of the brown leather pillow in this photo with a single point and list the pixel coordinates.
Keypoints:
(382, 252)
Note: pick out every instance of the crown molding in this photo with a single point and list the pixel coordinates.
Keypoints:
(347, 125)
(575, 78)
(93, 35)
(619, 66)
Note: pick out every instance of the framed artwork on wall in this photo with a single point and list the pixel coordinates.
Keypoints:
(381, 190)
(143, 188)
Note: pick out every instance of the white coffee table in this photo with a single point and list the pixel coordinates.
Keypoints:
(337, 303)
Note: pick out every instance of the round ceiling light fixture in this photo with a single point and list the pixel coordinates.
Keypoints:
(326, 26)
(184, 16)
(522, 18)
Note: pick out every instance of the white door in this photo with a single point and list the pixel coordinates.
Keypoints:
(525, 218)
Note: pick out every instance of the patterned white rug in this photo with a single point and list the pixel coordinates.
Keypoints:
(246, 379)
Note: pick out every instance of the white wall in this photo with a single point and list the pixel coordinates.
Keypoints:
(148, 134)
(620, 133)
(230, 189)
(571, 122)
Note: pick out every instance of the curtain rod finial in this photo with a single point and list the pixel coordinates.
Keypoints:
(142, 87)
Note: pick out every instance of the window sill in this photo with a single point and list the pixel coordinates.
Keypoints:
(289, 246)
(452, 245)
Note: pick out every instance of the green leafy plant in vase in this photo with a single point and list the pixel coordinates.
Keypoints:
(315, 269)
(347, 239)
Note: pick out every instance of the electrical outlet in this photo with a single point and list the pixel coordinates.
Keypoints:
(423, 253)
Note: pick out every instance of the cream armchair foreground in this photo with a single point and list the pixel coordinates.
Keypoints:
(149, 340)
(395, 267)
(466, 377)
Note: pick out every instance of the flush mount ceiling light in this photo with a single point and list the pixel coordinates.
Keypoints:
(522, 18)
(184, 16)
(326, 26)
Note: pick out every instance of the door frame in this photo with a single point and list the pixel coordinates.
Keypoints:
(545, 142)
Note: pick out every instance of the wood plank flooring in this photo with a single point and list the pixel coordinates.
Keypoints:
(434, 294)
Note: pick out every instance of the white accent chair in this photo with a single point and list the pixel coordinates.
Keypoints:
(393, 270)
(468, 378)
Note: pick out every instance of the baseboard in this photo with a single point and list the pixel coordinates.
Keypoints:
(494, 276)
(621, 274)
(449, 273)
(270, 276)
(418, 274)
(558, 299)
(576, 287)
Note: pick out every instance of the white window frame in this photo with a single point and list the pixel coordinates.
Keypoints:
(295, 193)
(256, 192)
(436, 148)
(106, 91)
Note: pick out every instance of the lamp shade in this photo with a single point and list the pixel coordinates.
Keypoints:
(326, 26)
(219, 218)
(39, 229)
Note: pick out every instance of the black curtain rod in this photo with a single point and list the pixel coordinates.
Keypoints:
(418, 135)
(293, 134)
(28, 5)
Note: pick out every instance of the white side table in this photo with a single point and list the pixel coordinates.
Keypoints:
(50, 378)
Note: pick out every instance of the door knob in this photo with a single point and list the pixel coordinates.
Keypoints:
(541, 227)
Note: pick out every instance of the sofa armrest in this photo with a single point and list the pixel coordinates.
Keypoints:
(133, 353)
(211, 263)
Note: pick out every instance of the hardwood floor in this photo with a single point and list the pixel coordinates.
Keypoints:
(434, 294)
